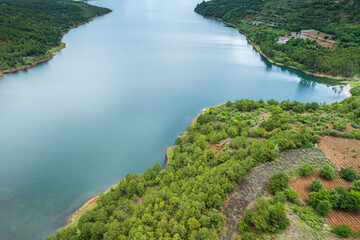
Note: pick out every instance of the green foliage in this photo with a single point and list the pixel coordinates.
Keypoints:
(292, 195)
(327, 172)
(311, 218)
(348, 173)
(265, 21)
(247, 236)
(355, 91)
(243, 227)
(280, 197)
(342, 230)
(30, 28)
(278, 182)
(305, 169)
(323, 208)
(268, 215)
(183, 200)
(315, 185)
(356, 186)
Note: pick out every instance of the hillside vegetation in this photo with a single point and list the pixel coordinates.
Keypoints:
(265, 21)
(30, 28)
(184, 200)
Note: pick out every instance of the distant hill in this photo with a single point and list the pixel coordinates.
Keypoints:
(265, 21)
(30, 28)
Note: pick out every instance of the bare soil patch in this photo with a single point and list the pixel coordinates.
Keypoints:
(321, 38)
(342, 151)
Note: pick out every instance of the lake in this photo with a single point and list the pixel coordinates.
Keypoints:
(109, 104)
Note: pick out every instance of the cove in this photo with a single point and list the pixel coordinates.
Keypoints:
(125, 87)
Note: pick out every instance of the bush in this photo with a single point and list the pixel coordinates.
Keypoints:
(315, 197)
(323, 208)
(342, 230)
(305, 169)
(278, 182)
(327, 172)
(315, 185)
(292, 195)
(267, 216)
(280, 197)
(348, 173)
(243, 227)
(247, 236)
(356, 186)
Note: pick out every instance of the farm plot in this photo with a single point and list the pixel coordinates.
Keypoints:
(301, 184)
(342, 151)
(338, 217)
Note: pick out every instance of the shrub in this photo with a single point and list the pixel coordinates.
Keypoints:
(247, 236)
(346, 201)
(278, 182)
(267, 216)
(292, 195)
(342, 230)
(356, 186)
(280, 197)
(315, 185)
(323, 208)
(305, 169)
(327, 172)
(315, 197)
(348, 173)
(243, 227)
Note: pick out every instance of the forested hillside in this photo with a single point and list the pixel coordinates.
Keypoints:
(184, 200)
(30, 28)
(333, 49)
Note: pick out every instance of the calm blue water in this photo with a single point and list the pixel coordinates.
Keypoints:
(125, 87)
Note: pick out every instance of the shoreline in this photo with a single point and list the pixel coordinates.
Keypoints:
(343, 80)
(51, 51)
(91, 202)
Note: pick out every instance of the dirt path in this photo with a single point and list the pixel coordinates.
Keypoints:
(254, 184)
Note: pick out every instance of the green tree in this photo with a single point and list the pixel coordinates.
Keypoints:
(193, 224)
(342, 230)
(323, 207)
(305, 169)
(292, 195)
(348, 173)
(278, 182)
(327, 172)
(356, 186)
(316, 185)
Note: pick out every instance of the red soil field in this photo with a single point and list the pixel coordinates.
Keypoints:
(336, 150)
(338, 217)
(301, 184)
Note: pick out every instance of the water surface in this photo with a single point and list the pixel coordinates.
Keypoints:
(125, 87)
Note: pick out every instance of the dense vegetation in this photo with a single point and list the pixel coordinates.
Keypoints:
(183, 201)
(30, 28)
(265, 21)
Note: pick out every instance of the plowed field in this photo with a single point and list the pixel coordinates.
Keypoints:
(301, 184)
(338, 217)
(341, 151)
